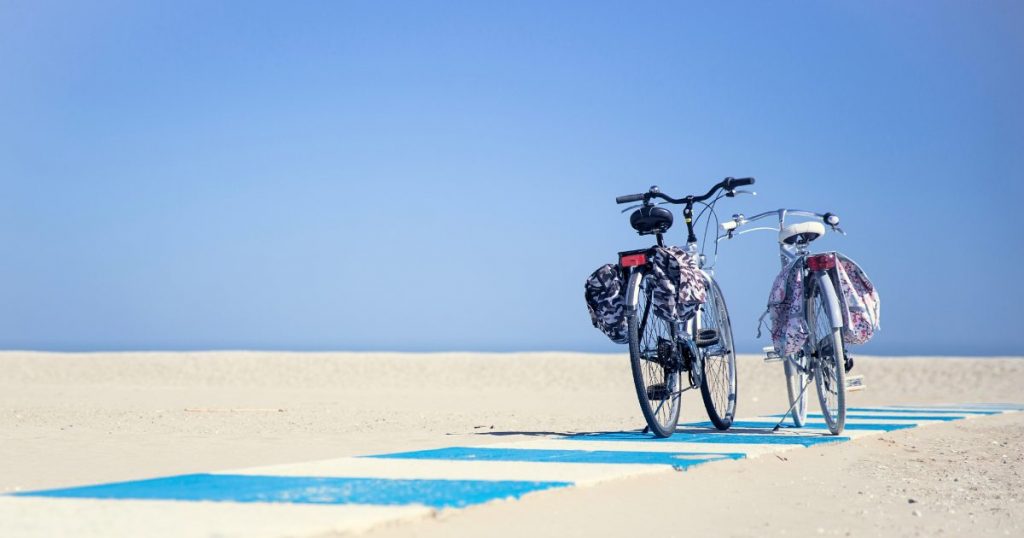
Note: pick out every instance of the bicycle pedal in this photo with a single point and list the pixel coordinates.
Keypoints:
(657, 392)
(770, 355)
(855, 383)
(706, 337)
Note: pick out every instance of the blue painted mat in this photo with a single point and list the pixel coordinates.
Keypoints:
(675, 459)
(455, 477)
(305, 490)
(815, 425)
(884, 417)
(690, 435)
(918, 411)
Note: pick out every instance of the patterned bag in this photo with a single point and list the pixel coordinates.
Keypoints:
(786, 307)
(605, 291)
(859, 300)
(678, 290)
(679, 285)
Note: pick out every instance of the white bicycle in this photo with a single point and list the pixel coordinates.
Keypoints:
(824, 355)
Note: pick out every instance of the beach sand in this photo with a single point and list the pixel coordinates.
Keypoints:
(74, 419)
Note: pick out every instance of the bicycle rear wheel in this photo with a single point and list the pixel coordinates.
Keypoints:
(826, 343)
(796, 378)
(652, 352)
(718, 386)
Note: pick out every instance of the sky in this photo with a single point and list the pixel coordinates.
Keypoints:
(429, 176)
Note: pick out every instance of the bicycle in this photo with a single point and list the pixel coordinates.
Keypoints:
(697, 341)
(824, 354)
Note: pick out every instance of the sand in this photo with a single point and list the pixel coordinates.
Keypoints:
(73, 419)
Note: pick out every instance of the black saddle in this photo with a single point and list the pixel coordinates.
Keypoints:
(651, 220)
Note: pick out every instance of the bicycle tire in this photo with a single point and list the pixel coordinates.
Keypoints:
(795, 381)
(827, 345)
(662, 421)
(719, 384)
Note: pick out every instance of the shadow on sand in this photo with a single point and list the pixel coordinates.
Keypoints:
(706, 434)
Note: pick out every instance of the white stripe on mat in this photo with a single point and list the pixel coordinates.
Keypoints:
(31, 517)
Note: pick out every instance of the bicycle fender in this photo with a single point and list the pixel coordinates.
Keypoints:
(824, 284)
(633, 289)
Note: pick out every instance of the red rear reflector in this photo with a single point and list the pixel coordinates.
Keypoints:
(633, 260)
(821, 262)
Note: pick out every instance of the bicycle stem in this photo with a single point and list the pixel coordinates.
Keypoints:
(688, 215)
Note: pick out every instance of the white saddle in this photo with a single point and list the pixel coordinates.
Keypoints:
(801, 233)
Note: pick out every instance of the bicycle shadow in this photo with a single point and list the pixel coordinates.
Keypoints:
(538, 433)
(681, 432)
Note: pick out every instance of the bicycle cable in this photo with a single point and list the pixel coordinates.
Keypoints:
(704, 238)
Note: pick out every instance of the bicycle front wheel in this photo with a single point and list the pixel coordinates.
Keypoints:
(826, 343)
(796, 379)
(718, 386)
(652, 352)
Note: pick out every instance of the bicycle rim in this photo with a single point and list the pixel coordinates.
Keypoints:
(657, 388)
(719, 385)
(795, 381)
(829, 373)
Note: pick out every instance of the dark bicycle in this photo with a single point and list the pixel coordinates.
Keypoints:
(696, 340)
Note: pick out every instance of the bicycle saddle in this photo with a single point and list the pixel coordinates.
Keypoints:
(801, 233)
(651, 220)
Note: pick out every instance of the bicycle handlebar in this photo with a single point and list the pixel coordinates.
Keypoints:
(732, 183)
(830, 219)
(628, 198)
(728, 184)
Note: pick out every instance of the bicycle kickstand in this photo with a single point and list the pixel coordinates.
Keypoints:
(792, 405)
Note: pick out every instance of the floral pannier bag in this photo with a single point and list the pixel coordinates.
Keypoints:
(862, 308)
(858, 301)
(678, 290)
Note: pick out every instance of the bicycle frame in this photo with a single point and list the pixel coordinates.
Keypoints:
(790, 253)
(662, 356)
(683, 331)
(787, 253)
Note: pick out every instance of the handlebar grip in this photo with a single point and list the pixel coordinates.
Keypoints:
(628, 198)
(739, 182)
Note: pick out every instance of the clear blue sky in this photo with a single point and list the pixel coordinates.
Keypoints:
(440, 176)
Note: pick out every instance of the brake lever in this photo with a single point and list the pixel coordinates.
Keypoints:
(741, 191)
(838, 229)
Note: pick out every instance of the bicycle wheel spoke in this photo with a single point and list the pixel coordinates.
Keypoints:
(655, 383)
(827, 356)
(718, 386)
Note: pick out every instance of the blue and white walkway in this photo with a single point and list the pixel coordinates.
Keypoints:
(356, 493)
